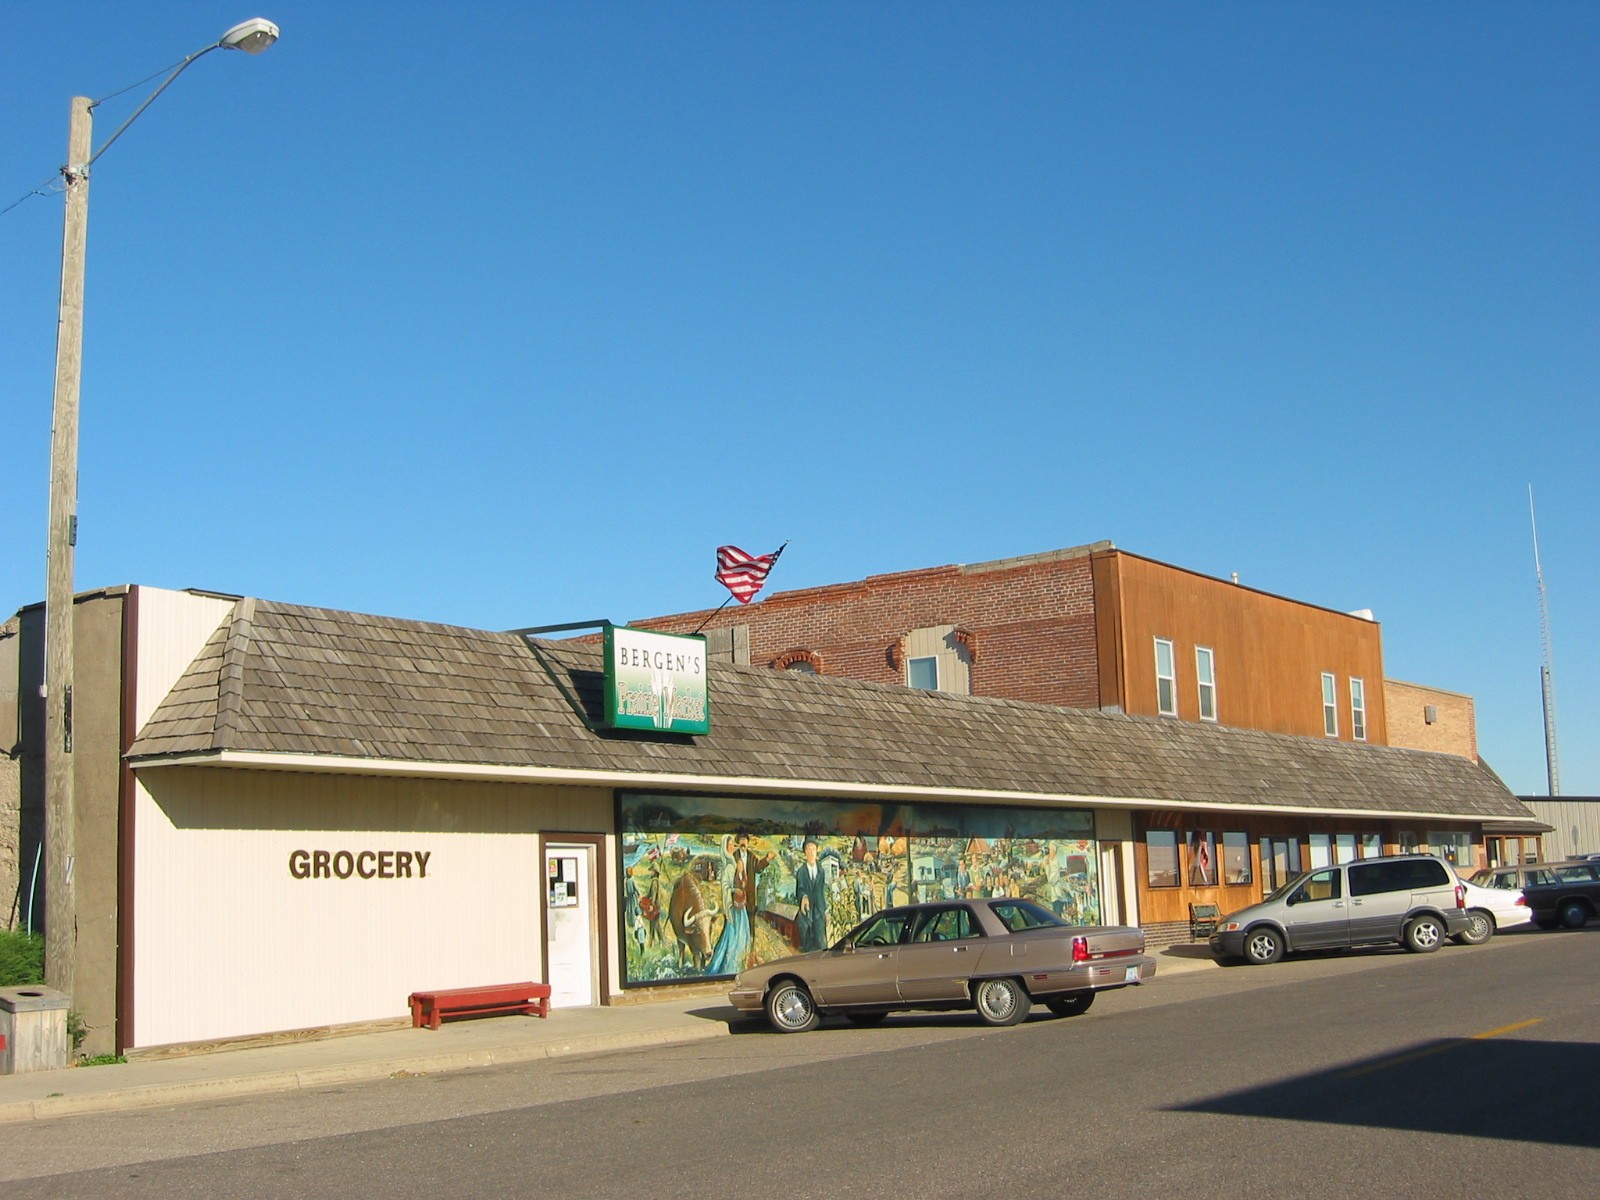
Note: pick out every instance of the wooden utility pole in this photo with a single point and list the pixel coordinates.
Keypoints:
(60, 807)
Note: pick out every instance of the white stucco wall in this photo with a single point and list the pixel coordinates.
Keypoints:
(227, 942)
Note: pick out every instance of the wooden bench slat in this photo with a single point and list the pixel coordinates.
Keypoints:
(431, 1006)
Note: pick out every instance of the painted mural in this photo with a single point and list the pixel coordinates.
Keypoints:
(712, 885)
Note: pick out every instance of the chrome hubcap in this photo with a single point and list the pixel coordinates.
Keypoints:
(997, 1001)
(793, 1007)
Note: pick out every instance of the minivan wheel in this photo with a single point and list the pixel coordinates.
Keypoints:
(1263, 946)
(790, 1007)
(1001, 1001)
(1480, 928)
(1424, 935)
(1574, 915)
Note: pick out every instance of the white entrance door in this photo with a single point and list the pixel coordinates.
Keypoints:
(570, 932)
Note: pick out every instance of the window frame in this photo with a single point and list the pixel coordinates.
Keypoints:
(1248, 877)
(1358, 709)
(1330, 704)
(923, 658)
(1166, 706)
(1205, 680)
(1150, 836)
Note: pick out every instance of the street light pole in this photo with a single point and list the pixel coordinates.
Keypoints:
(60, 796)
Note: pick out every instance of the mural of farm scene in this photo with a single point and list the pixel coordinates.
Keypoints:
(714, 884)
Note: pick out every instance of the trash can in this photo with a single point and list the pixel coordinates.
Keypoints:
(33, 1028)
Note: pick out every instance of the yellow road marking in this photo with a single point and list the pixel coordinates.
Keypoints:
(1431, 1050)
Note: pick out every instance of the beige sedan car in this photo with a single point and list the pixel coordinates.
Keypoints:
(996, 956)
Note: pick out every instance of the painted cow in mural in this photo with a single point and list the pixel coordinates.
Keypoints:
(692, 910)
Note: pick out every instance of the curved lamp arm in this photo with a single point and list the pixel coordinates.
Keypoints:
(252, 36)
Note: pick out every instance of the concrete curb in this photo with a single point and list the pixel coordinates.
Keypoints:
(161, 1095)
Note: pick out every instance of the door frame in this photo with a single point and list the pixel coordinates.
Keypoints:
(600, 885)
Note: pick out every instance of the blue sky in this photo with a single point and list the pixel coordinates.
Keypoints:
(509, 314)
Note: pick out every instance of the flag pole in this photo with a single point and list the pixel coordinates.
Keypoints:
(713, 616)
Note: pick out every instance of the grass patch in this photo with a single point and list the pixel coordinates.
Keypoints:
(100, 1060)
(21, 958)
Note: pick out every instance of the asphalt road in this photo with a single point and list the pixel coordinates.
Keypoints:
(1469, 1072)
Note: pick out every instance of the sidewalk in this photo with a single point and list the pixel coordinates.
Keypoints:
(456, 1046)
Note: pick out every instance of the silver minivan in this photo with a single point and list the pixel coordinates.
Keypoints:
(1414, 900)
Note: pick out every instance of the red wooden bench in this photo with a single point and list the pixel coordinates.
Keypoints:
(431, 1007)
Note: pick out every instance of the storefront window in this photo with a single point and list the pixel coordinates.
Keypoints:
(1280, 861)
(1371, 845)
(1453, 846)
(1161, 858)
(1236, 859)
(1344, 845)
(1321, 850)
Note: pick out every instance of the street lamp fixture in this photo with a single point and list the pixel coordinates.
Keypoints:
(252, 36)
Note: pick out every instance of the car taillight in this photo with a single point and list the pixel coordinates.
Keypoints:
(1080, 949)
(1521, 901)
(1461, 896)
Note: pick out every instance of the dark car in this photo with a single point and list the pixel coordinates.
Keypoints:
(995, 956)
(1558, 893)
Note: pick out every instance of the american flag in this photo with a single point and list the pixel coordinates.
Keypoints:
(743, 574)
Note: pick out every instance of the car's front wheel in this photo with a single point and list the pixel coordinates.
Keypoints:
(1423, 934)
(1574, 914)
(1263, 946)
(1001, 1001)
(1480, 928)
(790, 1007)
(1074, 1005)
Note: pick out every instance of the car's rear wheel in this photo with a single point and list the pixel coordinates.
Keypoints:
(1480, 928)
(790, 1007)
(865, 1018)
(1001, 1001)
(1074, 1005)
(1424, 935)
(1574, 914)
(1263, 946)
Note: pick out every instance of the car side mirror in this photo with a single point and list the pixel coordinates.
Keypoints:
(1292, 898)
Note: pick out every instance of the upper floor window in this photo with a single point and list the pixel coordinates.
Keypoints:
(1206, 681)
(1358, 710)
(1330, 705)
(1166, 679)
(923, 673)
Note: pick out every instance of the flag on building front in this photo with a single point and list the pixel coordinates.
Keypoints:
(743, 574)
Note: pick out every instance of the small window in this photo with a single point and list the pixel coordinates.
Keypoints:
(1344, 848)
(1206, 681)
(1358, 710)
(1017, 915)
(923, 673)
(946, 925)
(1323, 885)
(1371, 845)
(1408, 842)
(1236, 859)
(1330, 706)
(1166, 679)
(1161, 858)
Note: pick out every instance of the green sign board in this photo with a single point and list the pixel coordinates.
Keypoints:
(656, 681)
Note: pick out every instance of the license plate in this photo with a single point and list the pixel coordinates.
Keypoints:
(1131, 975)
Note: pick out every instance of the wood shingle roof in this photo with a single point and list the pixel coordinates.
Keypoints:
(279, 679)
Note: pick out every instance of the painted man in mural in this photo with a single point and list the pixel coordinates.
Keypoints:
(811, 899)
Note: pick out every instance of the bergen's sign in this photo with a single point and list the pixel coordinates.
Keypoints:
(656, 681)
(363, 864)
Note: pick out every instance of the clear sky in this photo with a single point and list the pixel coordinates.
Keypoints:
(509, 314)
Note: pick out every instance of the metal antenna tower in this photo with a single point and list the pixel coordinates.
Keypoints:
(1551, 757)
